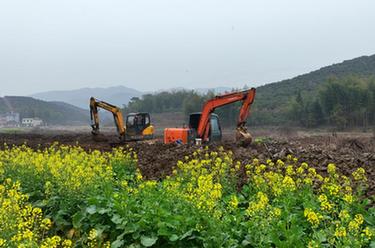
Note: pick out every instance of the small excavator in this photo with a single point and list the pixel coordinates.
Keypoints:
(138, 125)
(205, 126)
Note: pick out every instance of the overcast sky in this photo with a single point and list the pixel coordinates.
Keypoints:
(156, 44)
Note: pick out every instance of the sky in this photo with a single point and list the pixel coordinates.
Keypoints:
(160, 44)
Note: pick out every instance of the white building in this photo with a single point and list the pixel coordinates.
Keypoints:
(3, 121)
(11, 119)
(32, 122)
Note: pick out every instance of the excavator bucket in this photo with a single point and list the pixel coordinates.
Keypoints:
(95, 129)
(96, 135)
(243, 137)
(94, 132)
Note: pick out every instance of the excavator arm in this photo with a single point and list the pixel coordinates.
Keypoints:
(247, 98)
(117, 116)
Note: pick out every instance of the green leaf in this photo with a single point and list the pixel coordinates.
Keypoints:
(91, 209)
(77, 219)
(117, 243)
(134, 245)
(173, 237)
(116, 219)
(321, 236)
(60, 219)
(245, 242)
(188, 233)
(148, 241)
(104, 210)
(131, 228)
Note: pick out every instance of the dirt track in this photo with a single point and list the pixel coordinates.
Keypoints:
(156, 160)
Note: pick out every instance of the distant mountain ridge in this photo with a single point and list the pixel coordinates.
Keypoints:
(56, 113)
(117, 95)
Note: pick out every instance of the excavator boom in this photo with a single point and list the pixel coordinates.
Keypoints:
(247, 98)
(117, 116)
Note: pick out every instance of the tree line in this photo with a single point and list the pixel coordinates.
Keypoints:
(340, 102)
(185, 101)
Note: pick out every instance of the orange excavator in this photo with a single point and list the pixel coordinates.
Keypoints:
(205, 126)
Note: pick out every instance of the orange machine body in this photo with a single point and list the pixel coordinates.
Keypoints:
(201, 127)
(175, 135)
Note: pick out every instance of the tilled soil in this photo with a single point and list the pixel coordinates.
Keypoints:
(156, 160)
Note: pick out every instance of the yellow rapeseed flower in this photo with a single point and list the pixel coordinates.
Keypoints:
(276, 212)
(331, 169)
(340, 232)
(300, 170)
(288, 183)
(280, 163)
(92, 234)
(359, 174)
(312, 172)
(233, 203)
(355, 224)
(348, 198)
(259, 205)
(369, 233)
(359, 218)
(67, 243)
(46, 224)
(312, 217)
(304, 165)
(324, 203)
(2, 242)
(344, 215)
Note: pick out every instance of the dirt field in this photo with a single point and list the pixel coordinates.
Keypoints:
(156, 160)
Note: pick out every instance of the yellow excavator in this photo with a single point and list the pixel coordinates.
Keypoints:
(138, 125)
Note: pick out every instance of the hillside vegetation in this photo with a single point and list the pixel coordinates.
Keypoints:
(344, 103)
(272, 101)
(314, 99)
(50, 112)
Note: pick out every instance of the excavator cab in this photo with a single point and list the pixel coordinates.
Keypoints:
(214, 126)
(138, 126)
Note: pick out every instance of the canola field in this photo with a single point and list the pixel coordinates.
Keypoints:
(65, 196)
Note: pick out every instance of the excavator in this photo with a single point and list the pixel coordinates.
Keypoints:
(137, 127)
(205, 126)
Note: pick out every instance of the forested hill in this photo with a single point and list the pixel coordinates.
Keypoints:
(57, 113)
(362, 66)
(274, 96)
(338, 95)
